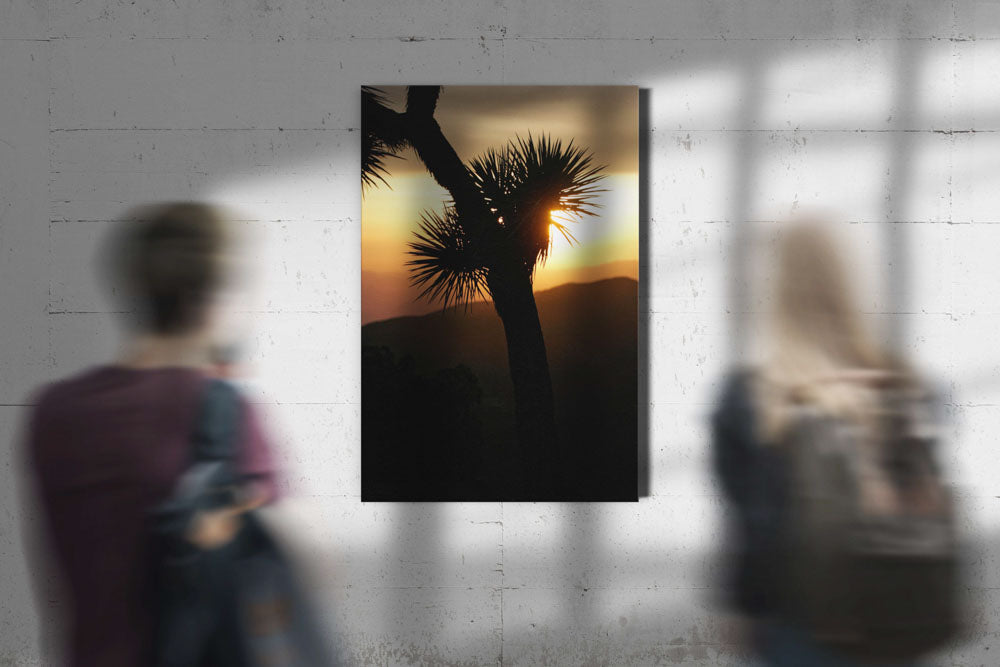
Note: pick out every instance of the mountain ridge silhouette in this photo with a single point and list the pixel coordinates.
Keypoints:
(590, 332)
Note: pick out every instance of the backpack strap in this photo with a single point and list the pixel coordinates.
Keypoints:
(210, 480)
(216, 431)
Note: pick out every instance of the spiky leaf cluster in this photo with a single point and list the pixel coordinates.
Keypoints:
(448, 264)
(528, 179)
(521, 184)
(381, 136)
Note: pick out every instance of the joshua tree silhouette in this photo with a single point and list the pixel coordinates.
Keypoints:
(488, 240)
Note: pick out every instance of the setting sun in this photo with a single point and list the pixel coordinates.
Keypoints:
(559, 236)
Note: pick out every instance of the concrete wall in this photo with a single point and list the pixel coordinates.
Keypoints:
(885, 111)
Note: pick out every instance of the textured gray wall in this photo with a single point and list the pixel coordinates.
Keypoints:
(885, 111)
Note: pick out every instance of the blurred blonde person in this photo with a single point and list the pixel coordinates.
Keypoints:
(819, 354)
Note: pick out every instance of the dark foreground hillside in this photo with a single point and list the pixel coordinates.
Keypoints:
(437, 404)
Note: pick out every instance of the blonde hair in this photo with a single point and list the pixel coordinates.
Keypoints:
(819, 338)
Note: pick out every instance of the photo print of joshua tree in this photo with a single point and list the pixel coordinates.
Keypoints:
(499, 253)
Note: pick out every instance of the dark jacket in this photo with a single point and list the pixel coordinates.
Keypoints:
(754, 481)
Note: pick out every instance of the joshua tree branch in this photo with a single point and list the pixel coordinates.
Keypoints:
(383, 122)
(437, 153)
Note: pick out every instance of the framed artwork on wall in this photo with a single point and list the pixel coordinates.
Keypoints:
(499, 289)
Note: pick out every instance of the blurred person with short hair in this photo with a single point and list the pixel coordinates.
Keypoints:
(843, 531)
(106, 446)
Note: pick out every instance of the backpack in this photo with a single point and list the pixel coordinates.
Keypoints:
(239, 605)
(871, 567)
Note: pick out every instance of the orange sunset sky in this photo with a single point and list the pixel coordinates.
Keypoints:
(604, 119)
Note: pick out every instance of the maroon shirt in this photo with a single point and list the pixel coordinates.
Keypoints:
(105, 447)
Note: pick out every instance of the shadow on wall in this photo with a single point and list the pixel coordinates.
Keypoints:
(644, 445)
(578, 616)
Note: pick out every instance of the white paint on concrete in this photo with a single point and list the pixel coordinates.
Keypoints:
(887, 112)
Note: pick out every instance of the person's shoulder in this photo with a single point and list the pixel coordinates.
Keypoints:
(222, 387)
(734, 400)
(56, 392)
(226, 390)
(50, 402)
(929, 385)
(222, 396)
(44, 394)
(932, 393)
(737, 384)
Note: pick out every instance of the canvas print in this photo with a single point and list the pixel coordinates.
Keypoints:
(499, 248)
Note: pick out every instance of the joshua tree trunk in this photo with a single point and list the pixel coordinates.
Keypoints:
(534, 404)
(511, 288)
